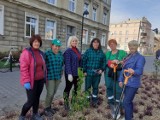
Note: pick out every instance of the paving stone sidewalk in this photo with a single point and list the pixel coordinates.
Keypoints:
(12, 94)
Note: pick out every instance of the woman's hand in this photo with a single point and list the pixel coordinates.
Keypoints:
(115, 61)
(121, 84)
(100, 71)
(130, 70)
(85, 74)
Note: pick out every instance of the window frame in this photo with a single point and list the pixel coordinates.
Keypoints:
(2, 20)
(86, 37)
(94, 14)
(54, 28)
(74, 6)
(27, 14)
(55, 3)
(103, 41)
(92, 31)
(104, 19)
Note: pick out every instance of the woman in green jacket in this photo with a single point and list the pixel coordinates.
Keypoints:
(114, 56)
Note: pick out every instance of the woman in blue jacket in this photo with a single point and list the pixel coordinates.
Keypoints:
(72, 60)
(134, 63)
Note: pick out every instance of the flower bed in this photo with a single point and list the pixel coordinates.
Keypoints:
(146, 105)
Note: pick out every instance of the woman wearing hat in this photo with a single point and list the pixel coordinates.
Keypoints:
(54, 63)
(72, 60)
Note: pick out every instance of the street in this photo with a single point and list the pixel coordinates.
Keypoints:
(13, 96)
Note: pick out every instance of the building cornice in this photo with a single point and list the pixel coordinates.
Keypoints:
(58, 12)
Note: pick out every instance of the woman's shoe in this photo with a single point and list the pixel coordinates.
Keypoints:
(36, 117)
(21, 117)
(49, 112)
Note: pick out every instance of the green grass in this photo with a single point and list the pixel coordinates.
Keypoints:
(5, 66)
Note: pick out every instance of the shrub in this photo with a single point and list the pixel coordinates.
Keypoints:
(79, 101)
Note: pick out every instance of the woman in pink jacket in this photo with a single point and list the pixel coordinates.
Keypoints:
(32, 76)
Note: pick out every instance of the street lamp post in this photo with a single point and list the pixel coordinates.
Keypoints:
(84, 13)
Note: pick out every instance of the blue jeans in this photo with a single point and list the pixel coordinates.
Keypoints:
(129, 94)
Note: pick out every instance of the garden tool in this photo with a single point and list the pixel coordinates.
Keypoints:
(113, 107)
(127, 76)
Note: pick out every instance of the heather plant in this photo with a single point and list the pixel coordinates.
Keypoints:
(141, 103)
(141, 116)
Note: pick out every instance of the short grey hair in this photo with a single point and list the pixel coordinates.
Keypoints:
(70, 40)
(133, 43)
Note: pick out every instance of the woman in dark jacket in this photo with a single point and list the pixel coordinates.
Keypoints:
(134, 63)
(94, 62)
(72, 60)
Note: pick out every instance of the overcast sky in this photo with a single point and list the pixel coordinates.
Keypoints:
(124, 9)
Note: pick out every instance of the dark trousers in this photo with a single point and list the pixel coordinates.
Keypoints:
(129, 94)
(92, 81)
(69, 86)
(33, 96)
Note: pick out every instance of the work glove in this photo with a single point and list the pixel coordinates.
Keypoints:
(70, 77)
(27, 86)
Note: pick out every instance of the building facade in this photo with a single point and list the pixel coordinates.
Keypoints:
(133, 29)
(19, 19)
(156, 42)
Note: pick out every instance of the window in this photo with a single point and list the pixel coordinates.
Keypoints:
(103, 39)
(1, 20)
(93, 35)
(72, 5)
(126, 40)
(86, 7)
(127, 32)
(31, 24)
(94, 14)
(104, 18)
(53, 2)
(50, 29)
(85, 36)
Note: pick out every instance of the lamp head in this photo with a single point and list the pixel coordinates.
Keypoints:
(155, 30)
(85, 12)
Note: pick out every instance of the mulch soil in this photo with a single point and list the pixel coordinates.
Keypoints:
(146, 106)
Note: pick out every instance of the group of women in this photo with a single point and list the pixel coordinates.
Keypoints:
(38, 68)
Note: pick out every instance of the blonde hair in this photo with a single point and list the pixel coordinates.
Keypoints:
(133, 43)
(70, 40)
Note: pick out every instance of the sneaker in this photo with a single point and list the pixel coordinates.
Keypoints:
(53, 111)
(95, 105)
(49, 112)
(36, 117)
(21, 117)
(95, 102)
